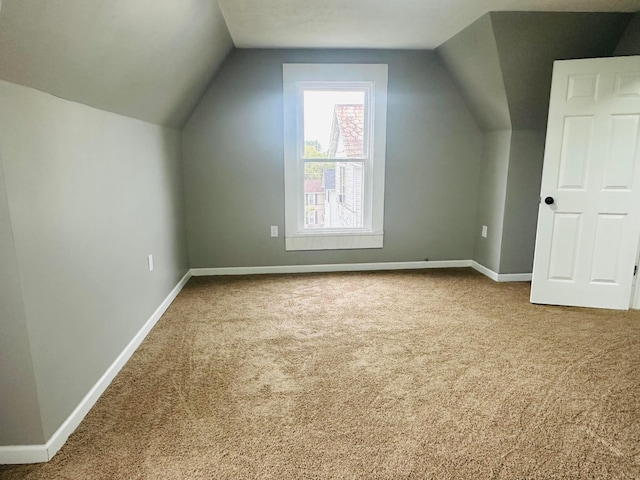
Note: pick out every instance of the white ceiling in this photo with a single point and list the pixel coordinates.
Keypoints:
(413, 24)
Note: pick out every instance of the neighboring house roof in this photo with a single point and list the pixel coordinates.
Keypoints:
(347, 131)
(329, 179)
(313, 186)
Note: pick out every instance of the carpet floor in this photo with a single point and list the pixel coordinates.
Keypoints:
(430, 374)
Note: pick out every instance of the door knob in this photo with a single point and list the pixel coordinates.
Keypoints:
(549, 200)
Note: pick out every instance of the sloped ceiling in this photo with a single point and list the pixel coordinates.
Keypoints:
(472, 59)
(503, 62)
(146, 59)
(630, 42)
(529, 42)
(152, 59)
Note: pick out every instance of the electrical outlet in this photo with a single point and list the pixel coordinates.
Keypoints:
(484, 231)
(150, 262)
(274, 231)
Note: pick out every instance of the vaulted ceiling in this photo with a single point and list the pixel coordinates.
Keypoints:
(146, 59)
(503, 62)
(153, 59)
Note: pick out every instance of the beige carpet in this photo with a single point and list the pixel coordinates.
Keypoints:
(423, 374)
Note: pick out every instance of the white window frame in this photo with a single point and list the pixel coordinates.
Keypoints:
(297, 78)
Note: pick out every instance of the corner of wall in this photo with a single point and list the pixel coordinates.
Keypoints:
(472, 59)
(491, 198)
(521, 201)
(20, 416)
(629, 43)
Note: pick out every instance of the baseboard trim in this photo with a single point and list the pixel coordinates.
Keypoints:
(23, 454)
(514, 277)
(501, 277)
(361, 267)
(43, 453)
(337, 267)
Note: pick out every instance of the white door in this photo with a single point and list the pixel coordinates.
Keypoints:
(589, 214)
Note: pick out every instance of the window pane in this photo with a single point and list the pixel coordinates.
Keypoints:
(333, 195)
(334, 124)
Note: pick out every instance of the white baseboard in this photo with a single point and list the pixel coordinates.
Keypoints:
(501, 277)
(362, 267)
(43, 453)
(514, 277)
(23, 454)
(484, 270)
(337, 267)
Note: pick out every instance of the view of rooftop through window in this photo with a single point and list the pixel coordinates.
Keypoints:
(334, 129)
(320, 115)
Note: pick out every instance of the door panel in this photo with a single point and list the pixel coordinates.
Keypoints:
(627, 85)
(576, 145)
(620, 160)
(582, 87)
(608, 236)
(587, 239)
(564, 243)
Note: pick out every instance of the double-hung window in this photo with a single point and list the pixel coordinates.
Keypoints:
(335, 141)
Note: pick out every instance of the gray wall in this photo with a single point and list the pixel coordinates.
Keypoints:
(91, 194)
(521, 203)
(529, 42)
(20, 422)
(630, 42)
(503, 65)
(233, 160)
(472, 59)
(491, 198)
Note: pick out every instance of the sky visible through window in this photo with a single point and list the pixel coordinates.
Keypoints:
(319, 107)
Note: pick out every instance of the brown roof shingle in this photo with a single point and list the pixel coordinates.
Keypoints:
(348, 124)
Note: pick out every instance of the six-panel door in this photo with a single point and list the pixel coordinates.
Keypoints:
(587, 238)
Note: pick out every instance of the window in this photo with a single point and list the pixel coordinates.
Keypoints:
(335, 138)
(311, 217)
(311, 198)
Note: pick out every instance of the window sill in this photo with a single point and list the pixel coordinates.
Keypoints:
(334, 241)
